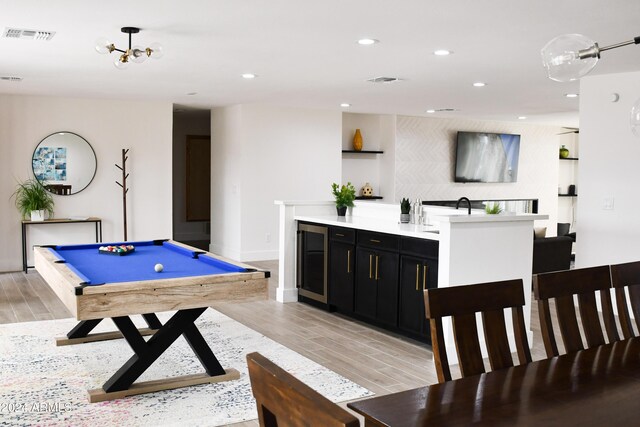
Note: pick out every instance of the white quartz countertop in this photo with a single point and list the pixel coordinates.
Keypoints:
(506, 217)
(429, 232)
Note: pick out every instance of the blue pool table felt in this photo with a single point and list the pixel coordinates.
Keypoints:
(96, 268)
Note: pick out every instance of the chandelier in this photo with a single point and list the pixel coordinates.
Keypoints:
(571, 56)
(136, 54)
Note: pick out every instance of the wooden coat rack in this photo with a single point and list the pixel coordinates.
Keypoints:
(124, 189)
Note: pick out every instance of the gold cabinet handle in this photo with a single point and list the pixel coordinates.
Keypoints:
(370, 265)
(339, 234)
(417, 276)
(377, 257)
(349, 261)
(424, 277)
(374, 240)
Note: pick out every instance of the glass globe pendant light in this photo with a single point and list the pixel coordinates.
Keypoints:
(572, 56)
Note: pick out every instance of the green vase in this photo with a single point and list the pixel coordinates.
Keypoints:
(564, 152)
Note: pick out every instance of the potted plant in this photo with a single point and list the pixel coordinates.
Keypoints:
(33, 199)
(493, 208)
(405, 209)
(345, 195)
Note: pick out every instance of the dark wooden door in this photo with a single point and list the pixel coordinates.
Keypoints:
(341, 276)
(366, 294)
(386, 275)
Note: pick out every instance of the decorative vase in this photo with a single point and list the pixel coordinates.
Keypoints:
(367, 190)
(404, 218)
(342, 210)
(357, 140)
(564, 152)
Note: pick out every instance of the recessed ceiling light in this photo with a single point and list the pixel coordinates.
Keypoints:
(431, 111)
(368, 42)
(345, 105)
(442, 52)
(192, 93)
(249, 76)
(479, 84)
(522, 117)
(571, 95)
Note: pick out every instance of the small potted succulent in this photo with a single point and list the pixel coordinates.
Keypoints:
(405, 209)
(345, 195)
(33, 200)
(492, 208)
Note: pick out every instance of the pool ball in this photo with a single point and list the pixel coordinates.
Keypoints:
(158, 268)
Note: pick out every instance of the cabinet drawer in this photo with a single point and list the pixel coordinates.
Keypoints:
(378, 240)
(346, 235)
(420, 247)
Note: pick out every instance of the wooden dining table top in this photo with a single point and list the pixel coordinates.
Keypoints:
(599, 386)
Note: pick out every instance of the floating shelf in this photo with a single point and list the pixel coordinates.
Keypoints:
(567, 195)
(568, 158)
(363, 151)
(368, 197)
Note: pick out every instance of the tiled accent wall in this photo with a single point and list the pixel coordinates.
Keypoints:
(425, 161)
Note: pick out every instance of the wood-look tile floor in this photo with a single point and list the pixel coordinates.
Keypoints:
(380, 361)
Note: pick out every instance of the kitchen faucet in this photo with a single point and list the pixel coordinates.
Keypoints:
(465, 199)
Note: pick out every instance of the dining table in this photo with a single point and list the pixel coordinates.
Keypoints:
(599, 386)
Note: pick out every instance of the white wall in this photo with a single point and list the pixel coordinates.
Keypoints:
(425, 162)
(184, 124)
(609, 156)
(109, 126)
(261, 154)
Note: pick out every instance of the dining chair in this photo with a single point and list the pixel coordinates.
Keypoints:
(562, 286)
(283, 400)
(627, 276)
(461, 303)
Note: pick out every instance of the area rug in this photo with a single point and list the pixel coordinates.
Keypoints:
(41, 384)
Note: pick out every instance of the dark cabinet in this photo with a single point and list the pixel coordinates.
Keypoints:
(342, 262)
(375, 277)
(418, 271)
(376, 294)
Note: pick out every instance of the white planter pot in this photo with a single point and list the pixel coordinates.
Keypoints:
(40, 215)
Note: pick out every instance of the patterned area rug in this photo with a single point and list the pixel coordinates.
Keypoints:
(47, 385)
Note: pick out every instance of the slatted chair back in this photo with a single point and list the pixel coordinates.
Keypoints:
(562, 286)
(461, 303)
(283, 400)
(623, 276)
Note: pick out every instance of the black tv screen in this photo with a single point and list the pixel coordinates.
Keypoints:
(487, 157)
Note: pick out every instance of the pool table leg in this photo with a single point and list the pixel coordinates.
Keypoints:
(81, 332)
(147, 352)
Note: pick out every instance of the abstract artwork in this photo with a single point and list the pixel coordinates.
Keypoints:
(50, 164)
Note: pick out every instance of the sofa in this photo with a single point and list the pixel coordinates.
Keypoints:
(551, 254)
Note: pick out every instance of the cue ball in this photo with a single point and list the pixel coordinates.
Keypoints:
(158, 268)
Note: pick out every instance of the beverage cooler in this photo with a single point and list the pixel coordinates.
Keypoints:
(312, 253)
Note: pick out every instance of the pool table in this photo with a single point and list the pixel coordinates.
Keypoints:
(95, 286)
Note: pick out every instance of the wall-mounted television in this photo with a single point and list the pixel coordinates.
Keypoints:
(487, 157)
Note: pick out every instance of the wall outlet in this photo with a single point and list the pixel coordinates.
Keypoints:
(267, 237)
(608, 204)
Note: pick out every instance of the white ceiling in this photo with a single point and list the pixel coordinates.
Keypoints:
(306, 54)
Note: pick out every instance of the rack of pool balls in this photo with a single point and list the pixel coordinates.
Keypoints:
(116, 249)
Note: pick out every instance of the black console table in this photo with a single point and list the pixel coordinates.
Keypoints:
(25, 223)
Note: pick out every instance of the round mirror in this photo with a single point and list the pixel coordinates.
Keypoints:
(64, 163)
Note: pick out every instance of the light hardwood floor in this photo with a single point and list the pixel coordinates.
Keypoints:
(380, 361)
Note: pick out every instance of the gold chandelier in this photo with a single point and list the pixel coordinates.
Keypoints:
(136, 54)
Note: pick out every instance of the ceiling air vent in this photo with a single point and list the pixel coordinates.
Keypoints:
(21, 33)
(11, 78)
(384, 80)
(446, 110)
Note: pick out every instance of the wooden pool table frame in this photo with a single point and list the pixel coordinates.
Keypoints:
(191, 296)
